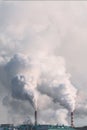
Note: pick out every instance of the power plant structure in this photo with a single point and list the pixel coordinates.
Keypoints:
(37, 126)
(72, 118)
(52, 127)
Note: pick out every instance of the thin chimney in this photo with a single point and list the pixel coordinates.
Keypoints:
(35, 117)
(72, 120)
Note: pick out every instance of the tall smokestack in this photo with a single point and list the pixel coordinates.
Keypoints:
(35, 117)
(72, 121)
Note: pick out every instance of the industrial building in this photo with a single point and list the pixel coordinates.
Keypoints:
(33, 127)
(37, 126)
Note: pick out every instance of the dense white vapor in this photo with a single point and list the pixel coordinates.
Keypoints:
(56, 117)
(19, 90)
(18, 64)
(55, 82)
(62, 116)
(32, 76)
(61, 93)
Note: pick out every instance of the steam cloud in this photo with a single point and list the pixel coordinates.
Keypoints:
(62, 93)
(30, 78)
(19, 90)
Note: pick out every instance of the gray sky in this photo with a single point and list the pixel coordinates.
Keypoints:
(52, 27)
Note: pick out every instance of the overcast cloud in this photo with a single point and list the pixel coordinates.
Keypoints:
(40, 29)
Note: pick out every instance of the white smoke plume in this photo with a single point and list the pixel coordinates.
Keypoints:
(62, 116)
(61, 93)
(54, 117)
(19, 90)
(55, 83)
(32, 77)
(20, 73)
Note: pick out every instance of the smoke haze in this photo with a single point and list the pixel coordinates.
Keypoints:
(42, 50)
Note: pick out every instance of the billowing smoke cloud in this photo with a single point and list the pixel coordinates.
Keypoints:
(21, 82)
(32, 77)
(55, 83)
(62, 93)
(19, 90)
(59, 116)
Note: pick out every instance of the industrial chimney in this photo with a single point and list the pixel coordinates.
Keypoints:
(72, 121)
(35, 117)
